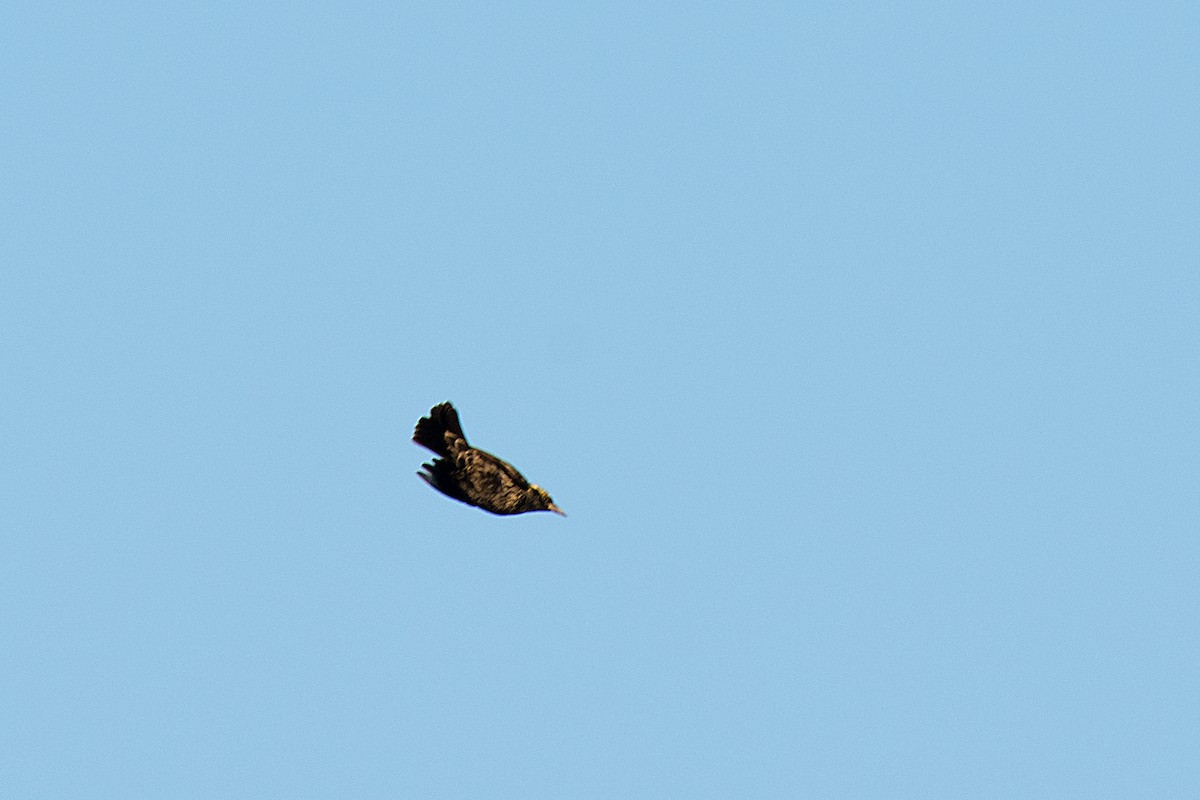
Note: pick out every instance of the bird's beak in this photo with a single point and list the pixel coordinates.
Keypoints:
(556, 510)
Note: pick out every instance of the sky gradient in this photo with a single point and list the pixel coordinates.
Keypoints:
(859, 343)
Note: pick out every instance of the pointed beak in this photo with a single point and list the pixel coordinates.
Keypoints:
(556, 510)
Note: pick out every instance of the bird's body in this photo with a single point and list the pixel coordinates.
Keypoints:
(470, 475)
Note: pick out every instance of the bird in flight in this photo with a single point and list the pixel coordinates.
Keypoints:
(473, 476)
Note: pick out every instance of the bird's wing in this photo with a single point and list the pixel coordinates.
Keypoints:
(486, 474)
(508, 470)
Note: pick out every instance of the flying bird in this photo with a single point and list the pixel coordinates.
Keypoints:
(470, 475)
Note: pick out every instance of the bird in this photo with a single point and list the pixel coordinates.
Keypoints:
(470, 475)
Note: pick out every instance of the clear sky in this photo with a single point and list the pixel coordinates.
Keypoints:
(859, 341)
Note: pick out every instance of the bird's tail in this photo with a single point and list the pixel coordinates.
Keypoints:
(431, 431)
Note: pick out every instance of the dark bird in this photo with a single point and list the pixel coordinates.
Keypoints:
(473, 476)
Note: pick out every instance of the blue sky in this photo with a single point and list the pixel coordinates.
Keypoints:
(859, 343)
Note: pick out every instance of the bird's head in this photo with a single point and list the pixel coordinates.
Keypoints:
(544, 503)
